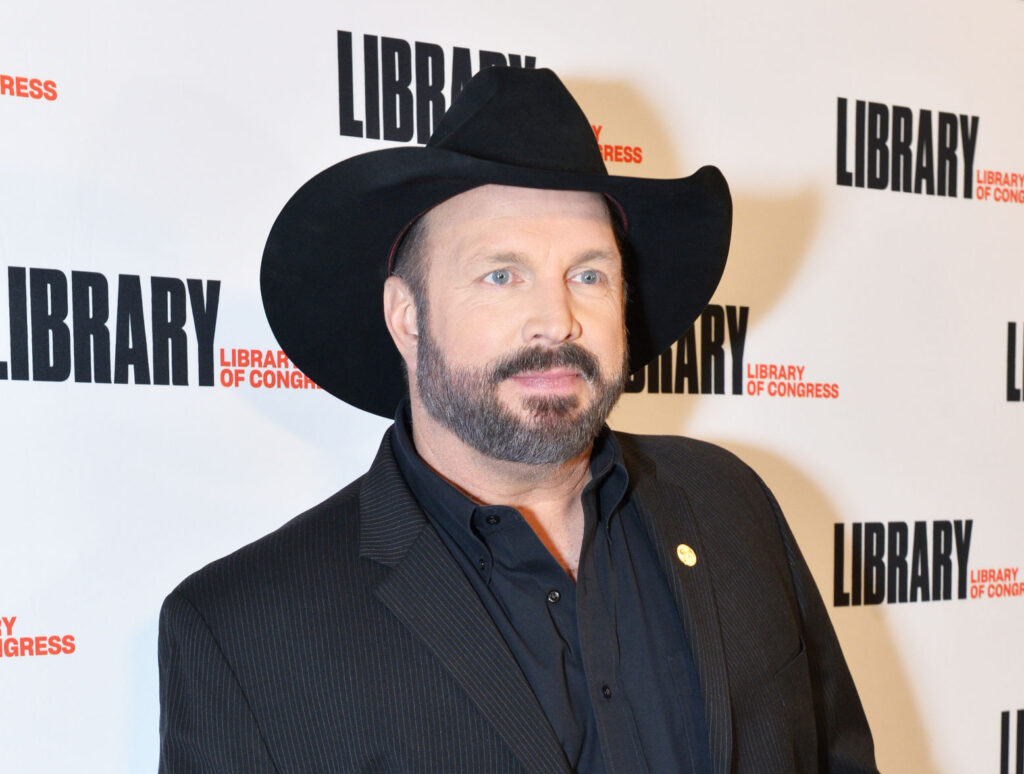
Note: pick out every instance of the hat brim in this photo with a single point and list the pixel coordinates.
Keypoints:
(326, 258)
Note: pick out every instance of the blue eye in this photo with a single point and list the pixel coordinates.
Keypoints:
(499, 277)
(589, 277)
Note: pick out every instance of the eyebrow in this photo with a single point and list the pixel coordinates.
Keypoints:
(503, 258)
(510, 258)
(600, 255)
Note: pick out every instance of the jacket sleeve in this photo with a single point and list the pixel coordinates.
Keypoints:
(845, 745)
(206, 724)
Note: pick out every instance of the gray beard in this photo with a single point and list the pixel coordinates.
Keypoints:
(556, 430)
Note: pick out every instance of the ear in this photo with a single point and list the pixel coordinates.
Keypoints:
(400, 317)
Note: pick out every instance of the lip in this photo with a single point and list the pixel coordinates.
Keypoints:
(555, 380)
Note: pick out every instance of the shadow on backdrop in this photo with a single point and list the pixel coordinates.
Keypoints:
(875, 661)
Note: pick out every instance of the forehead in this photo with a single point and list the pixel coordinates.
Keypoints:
(506, 216)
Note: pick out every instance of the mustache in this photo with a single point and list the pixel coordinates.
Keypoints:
(567, 355)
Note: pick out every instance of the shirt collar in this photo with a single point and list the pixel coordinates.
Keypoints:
(444, 503)
(608, 477)
(441, 501)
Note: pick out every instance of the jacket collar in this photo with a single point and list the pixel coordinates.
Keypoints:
(428, 592)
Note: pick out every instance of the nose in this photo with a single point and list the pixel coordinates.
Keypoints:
(550, 315)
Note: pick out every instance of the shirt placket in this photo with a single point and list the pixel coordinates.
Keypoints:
(595, 598)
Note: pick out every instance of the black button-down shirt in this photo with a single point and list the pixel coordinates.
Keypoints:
(606, 656)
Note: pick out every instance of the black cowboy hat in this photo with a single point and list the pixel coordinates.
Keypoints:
(330, 249)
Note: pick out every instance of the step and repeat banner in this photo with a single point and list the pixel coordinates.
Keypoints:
(864, 352)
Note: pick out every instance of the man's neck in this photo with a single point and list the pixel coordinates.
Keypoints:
(548, 496)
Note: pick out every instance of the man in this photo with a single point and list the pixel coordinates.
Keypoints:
(511, 587)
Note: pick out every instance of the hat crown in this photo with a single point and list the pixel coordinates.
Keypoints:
(520, 116)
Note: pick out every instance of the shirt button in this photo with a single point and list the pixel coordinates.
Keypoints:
(482, 564)
(492, 519)
(606, 691)
(554, 596)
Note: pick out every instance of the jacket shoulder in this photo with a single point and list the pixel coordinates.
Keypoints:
(674, 457)
(305, 546)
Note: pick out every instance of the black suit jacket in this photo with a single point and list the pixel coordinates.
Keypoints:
(350, 641)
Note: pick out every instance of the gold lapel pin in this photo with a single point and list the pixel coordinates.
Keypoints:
(686, 555)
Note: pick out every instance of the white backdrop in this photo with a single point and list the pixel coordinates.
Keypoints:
(166, 142)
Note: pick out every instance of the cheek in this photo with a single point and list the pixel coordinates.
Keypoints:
(471, 333)
(610, 352)
(605, 327)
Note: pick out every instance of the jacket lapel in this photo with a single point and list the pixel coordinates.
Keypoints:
(669, 518)
(429, 593)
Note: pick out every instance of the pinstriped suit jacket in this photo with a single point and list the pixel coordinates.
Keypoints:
(349, 641)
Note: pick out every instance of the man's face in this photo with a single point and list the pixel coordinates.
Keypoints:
(522, 346)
